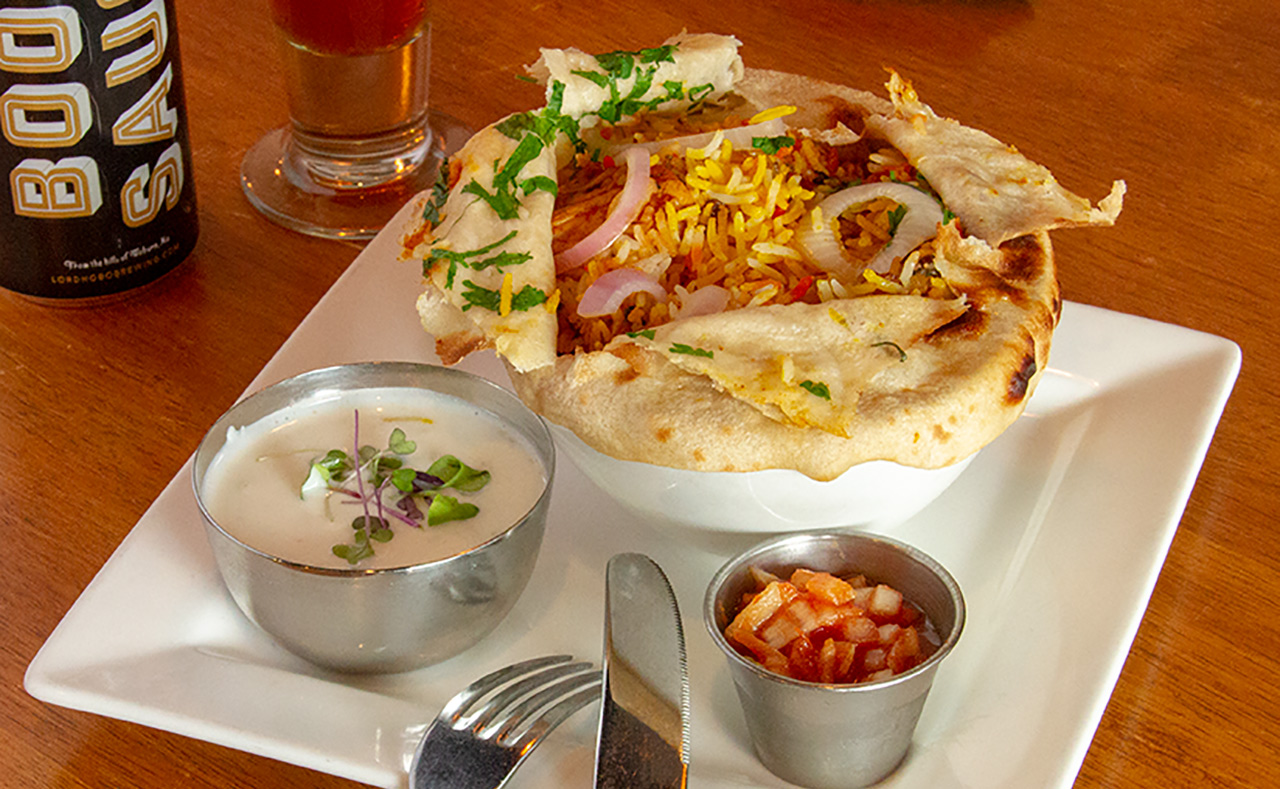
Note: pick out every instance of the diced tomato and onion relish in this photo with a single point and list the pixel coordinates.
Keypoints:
(817, 627)
(730, 217)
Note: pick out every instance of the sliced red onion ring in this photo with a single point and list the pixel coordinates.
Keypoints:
(635, 193)
(706, 300)
(607, 293)
(822, 246)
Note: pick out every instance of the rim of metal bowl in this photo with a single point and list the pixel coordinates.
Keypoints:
(543, 434)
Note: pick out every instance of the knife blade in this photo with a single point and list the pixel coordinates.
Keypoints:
(643, 738)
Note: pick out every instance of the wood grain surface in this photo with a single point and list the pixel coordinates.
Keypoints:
(99, 407)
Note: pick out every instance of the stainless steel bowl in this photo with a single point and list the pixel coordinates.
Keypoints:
(381, 620)
(829, 736)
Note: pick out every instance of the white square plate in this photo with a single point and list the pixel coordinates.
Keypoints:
(1056, 533)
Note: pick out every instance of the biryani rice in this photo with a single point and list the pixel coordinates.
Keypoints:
(726, 217)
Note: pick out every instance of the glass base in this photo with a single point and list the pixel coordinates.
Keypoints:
(294, 190)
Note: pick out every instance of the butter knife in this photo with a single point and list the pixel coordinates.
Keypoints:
(643, 739)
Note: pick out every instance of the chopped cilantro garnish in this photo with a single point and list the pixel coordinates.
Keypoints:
(439, 194)
(539, 182)
(477, 296)
(646, 333)
(502, 201)
(514, 126)
(662, 54)
(464, 258)
(895, 218)
(689, 350)
(499, 260)
(595, 76)
(816, 388)
(700, 92)
(902, 355)
(771, 145)
(530, 146)
(623, 65)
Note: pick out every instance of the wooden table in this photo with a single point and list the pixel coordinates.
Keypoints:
(99, 407)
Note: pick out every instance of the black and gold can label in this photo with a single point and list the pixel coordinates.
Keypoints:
(97, 194)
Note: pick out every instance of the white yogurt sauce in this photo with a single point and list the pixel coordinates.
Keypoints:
(252, 486)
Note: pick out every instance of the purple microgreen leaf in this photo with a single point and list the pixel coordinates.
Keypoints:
(409, 506)
(424, 481)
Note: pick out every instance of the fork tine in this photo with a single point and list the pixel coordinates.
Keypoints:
(480, 718)
(542, 724)
(460, 704)
(506, 720)
(463, 754)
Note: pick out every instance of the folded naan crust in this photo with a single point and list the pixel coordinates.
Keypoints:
(962, 384)
(908, 379)
(997, 193)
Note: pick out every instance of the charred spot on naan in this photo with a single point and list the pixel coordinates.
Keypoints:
(970, 324)
(839, 111)
(452, 348)
(636, 360)
(1023, 259)
(1020, 381)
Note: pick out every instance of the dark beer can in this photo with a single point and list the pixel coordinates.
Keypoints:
(96, 192)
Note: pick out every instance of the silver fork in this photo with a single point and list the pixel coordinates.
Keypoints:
(484, 732)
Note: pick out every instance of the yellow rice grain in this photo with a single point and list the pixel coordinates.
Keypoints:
(780, 111)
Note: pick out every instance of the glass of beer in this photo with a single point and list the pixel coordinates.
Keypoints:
(361, 139)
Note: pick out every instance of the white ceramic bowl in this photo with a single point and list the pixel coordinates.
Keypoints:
(876, 495)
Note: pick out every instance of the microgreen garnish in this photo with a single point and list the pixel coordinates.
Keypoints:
(816, 388)
(456, 474)
(382, 478)
(446, 508)
(526, 298)
(648, 334)
(902, 355)
(771, 145)
(689, 350)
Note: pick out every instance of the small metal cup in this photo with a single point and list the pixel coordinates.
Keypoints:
(381, 620)
(828, 736)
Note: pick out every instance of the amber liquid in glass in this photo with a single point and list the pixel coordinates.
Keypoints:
(358, 76)
(362, 138)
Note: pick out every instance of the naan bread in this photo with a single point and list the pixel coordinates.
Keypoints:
(822, 387)
(686, 67)
(525, 338)
(962, 383)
